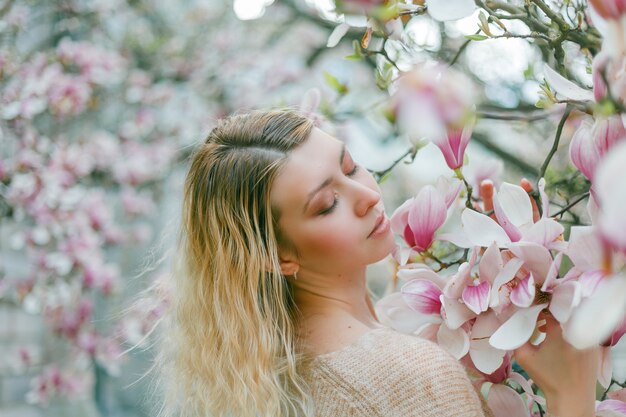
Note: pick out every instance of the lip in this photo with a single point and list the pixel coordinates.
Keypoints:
(381, 226)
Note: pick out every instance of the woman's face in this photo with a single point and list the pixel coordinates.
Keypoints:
(329, 206)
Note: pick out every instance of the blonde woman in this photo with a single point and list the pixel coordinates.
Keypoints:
(270, 312)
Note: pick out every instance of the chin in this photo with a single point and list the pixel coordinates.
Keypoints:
(385, 247)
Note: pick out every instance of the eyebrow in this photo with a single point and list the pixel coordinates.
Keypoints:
(326, 182)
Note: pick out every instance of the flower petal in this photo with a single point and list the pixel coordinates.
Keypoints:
(524, 292)
(490, 264)
(565, 87)
(411, 272)
(546, 230)
(400, 217)
(565, 298)
(338, 33)
(518, 329)
(584, 248)
(605, 371)
(422, 296)
(505, 401)
(426, 215)
(597, 316)
(455, 313)
(483, 230)
(455, 341)
(392, 311)
(485, 357)
(516, 204)
(611, 195)
(476, 297)
(537, 259)
(450, 188)
(508, 273)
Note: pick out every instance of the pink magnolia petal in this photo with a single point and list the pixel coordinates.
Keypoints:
(400, 217)
(485, 357)
(552, 273)
(584, 248)
(455, 341)
(450, 188)
(611, 195)
(509, 227)
(426, 215)
(537, 259)
(507, 274)
(476, 297)
(544, 231)
(518, 329)
(455, 286)
(516, 204)
(504, 401)
(597, 316)
(612, 405)
(490, 264)
(524, 292)
(483, 230)
(605, 370)
(589, 281)
(565, 298)
(420, 271)
(617, 334)
(527, 387)
(422, 296)
(455, 313)
(583, 151)
(620, 395)
(393, 312)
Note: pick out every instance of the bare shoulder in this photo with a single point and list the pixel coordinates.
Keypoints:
(329, 336)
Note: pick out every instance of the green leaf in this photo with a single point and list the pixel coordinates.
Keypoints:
(384, 178)
(476, 37)
(334, 83)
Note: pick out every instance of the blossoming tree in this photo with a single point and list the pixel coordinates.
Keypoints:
(482, 267)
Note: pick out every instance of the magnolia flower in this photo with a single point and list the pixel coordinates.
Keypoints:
(605, 65)
(611, 197)
(514, 214)
(435, 103)
(424, 295)
(609, 9)
(417, 219)
(598, 316)
(608, 17)
(504, 400)
(592, 140)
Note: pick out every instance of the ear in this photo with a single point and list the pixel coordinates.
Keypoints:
(288, 267)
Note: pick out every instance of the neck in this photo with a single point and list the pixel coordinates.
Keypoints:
(328, 297)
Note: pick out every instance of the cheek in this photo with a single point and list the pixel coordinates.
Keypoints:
(330, 238)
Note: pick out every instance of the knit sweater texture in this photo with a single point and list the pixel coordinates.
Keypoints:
(385, 373)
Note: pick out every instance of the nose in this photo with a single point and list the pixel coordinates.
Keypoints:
(366, 197)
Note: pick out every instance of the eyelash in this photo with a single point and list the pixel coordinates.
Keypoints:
(331, 208)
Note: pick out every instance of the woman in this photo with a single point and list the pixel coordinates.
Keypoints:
(271, 315)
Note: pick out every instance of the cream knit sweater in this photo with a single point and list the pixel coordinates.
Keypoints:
(385, 373)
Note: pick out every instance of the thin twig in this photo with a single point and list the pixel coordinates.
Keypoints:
(379, 175)
(555, 144)
(570, 205)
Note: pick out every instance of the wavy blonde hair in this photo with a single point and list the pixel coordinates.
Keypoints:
(228, 347)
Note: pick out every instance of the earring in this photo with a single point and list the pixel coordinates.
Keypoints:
(295, 275)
